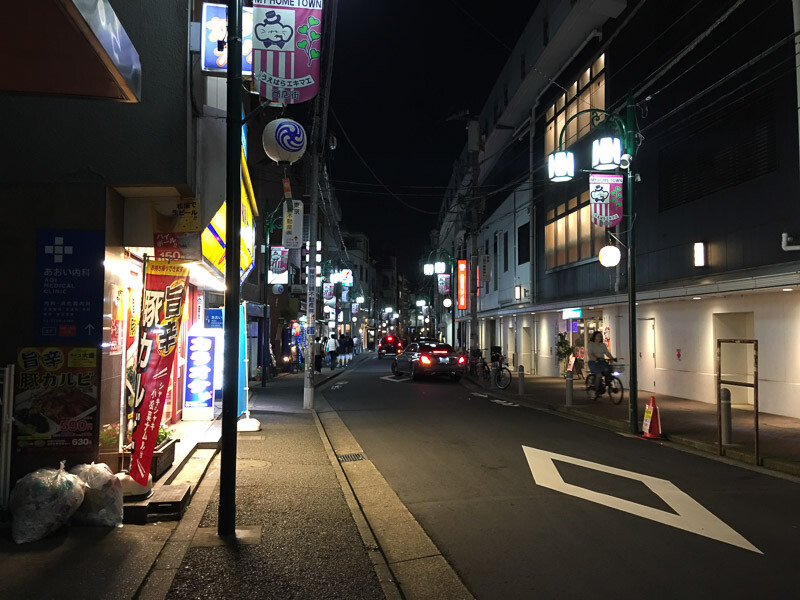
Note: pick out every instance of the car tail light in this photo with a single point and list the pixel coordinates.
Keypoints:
(461, 360)
(440, 351)
(380, 345)
(425, 360)
(399, 344)
(389, 339)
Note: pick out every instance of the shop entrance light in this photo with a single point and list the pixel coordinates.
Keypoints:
(561, 166)
(606, 153)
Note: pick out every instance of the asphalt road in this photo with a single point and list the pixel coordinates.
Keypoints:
(643, 520)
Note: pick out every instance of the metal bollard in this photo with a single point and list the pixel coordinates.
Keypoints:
(569, 388)
(521, 380)
(725, 412)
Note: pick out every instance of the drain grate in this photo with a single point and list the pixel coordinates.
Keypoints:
(350, 457)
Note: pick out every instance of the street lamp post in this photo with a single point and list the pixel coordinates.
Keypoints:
(606, 155)
(440, 268)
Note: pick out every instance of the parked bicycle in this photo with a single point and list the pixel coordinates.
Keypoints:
(501, 372)
(610, 384)
(478, 367)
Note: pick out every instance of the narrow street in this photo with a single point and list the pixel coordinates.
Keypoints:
(462, 464)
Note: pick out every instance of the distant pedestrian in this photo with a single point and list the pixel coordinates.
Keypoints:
(350, 349)
(332, 350)
(318, 352)
(342, 351)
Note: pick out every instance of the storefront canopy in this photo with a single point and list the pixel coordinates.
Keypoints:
(69, 47)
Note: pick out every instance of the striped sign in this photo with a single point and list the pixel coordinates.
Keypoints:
(605, 193)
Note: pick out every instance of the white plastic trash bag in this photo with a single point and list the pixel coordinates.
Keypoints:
(102, 500)
(43, 501)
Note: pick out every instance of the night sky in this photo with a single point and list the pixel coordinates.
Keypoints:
(400, 69)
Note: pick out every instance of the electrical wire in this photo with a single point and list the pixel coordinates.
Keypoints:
(375, 175)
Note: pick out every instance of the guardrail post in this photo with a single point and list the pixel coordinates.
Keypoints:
(725, 415)
(521, 380)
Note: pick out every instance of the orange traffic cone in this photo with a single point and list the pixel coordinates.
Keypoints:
(651, 425)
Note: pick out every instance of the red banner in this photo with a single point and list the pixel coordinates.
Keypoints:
(160, 322)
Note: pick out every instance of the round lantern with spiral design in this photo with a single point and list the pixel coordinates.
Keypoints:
(284, 141)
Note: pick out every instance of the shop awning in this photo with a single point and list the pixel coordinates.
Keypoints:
(69, 47)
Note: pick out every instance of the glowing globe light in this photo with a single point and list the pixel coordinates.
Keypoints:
(561, 166)
(609, 256)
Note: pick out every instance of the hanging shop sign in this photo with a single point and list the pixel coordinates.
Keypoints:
(347, 278)
(69, 286)
(605, 194)
(354, 308)
(293, 224)
(55, 406)
(327, 291)
(571, 313)
(199, 393)
(176, 228)
(444, 283)
(462, 284)
(213, 236)
(162, 307)
(213, 45)
(214, 318)
(287, 46)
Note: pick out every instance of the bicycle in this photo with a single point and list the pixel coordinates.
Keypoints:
(610, 383)
(502, 374)
(478, 367)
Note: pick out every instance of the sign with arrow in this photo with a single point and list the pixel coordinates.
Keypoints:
(69, 286)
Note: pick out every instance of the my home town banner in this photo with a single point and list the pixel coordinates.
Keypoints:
(605, 197)
(162, 307)
(287, 45)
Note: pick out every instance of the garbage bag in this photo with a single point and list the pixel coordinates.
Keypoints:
(102, 500)
(43, 501)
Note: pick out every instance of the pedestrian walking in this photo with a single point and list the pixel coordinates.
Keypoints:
(350, 349)
(318, 352)
(342, 351)
(332, 350)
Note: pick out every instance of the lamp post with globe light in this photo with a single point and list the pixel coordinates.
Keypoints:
(439, 267)
(607, 155)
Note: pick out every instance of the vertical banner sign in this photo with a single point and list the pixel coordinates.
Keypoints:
(327, 291)
(200, 373)
(287, 45)
(278, 259)
(165, 292)
(55, 406)
(605, 193)
(215, 34)
(293, 224)
(462, 284)
(444, 283)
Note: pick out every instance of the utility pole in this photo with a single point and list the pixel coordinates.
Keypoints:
(633, 379)
(473, 141)
(230, 376)
(318, 139)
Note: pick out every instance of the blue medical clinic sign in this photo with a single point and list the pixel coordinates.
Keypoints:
(69, 286)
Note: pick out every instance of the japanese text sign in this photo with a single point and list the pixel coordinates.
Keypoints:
(56, 398)
(200, 372)
(293, 224)
(278, 259)
(605, 194)
(69, 286)
(162, 309)
(215, 33)
(462, 284)
(287, 45)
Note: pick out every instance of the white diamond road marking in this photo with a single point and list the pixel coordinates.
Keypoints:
(691, 516)
(503, 402)
(394, 379)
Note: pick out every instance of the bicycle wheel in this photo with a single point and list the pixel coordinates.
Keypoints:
(591, 389)
(502, 378)
(615, 390)
(487, 372)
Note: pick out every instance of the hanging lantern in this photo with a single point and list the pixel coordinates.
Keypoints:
(609, 256)
(284, 141)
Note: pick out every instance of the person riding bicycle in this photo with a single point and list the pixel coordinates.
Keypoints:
(596, 350)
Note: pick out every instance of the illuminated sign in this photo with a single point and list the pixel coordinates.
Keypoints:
(215, 30)
(462, 284)
(200, 372)
(571, 313)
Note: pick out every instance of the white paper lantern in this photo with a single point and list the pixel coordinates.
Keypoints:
(284, 141)
(609, 256)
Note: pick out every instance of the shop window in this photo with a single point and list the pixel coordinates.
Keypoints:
(569, 235)
(587, 92)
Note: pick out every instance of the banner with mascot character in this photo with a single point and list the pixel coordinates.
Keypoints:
(605, 197)
(287, 46)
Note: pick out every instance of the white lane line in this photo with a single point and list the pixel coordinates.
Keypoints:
(394, 379)
(480, 395)
(691, 516)
(503, 402)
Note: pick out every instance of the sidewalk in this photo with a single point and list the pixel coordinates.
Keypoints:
(683, 421)
(299, 537)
